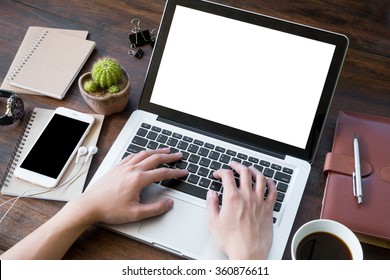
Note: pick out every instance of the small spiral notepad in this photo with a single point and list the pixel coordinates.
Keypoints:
(51, 64)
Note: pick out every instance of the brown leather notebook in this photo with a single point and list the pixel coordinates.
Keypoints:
(371, 219)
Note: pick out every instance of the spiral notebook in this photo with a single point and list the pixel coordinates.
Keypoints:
(51, 63)
(29, 38)
(35, 123)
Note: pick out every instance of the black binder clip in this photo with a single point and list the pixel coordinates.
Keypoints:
(138, 54)
(137, 37)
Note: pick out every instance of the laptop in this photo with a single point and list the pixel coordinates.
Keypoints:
(225, 84)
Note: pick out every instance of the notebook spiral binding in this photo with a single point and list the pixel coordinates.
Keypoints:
(28, 55)
(18, 150)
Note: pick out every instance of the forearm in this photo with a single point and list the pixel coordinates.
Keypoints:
(59, 232)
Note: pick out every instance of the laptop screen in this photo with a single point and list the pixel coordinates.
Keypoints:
(243, 76)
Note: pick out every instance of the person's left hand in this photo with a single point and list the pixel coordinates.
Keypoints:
(115, 197)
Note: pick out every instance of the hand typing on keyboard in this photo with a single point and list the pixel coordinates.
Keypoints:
(243, 226)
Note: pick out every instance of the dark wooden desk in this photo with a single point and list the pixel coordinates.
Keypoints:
(364, 86)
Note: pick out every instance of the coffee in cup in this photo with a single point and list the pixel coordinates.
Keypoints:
(325, 240)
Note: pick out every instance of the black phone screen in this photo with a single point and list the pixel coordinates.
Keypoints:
(55, 145)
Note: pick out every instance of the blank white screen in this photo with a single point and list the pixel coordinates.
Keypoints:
(248, 77)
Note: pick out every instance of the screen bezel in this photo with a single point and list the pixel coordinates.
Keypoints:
(308, 153)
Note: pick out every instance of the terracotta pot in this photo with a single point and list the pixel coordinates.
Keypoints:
(108, 104)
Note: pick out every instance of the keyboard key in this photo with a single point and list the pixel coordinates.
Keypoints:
(167, 132)
(214, 155)
(203, 152)
(177, 135)
(253, 160)
(182, 164)
(204, 182)
(173, 150)
(215, 165)
(187, 139)
(146, 125)
(139, 141)
(185, 187)
(276, 167)
(194, 179)
(288, 170)
(142, 132)
(192, 168)
(225, 158)
(193, 148)
(204, 172)
(231, 153)
(268, 172)
(283, 177)
(204, 162)
(182, 145)
(242, 156)
(209, 146)
(280, 197)
(152, 145)
(220, 149)
(172, 142)
(282, 187)
(215, 186)
(194, 158)
(258, 167)
(185, 155)
(277, 206)
(152, 135)
(133, 149)
(162, 138)
(157, 129)
(198, 142)
(225, 166)
(265, 163)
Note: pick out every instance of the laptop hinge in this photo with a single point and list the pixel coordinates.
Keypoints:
(223, 138)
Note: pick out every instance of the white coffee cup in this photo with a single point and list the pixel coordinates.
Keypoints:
(322, 228)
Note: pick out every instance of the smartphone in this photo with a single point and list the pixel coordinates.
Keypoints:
(51, 154)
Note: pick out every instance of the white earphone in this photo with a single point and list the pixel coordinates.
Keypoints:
(91, 151)
(83, 151)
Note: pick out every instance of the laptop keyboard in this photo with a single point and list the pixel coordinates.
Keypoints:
(201, 159)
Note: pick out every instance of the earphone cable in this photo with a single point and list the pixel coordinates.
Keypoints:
(68, 182)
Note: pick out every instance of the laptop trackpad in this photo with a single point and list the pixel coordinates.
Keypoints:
(183, 227)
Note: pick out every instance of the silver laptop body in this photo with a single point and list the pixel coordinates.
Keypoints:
(232, 85)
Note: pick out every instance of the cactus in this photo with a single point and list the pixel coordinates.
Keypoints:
(113, 89)
(106, 72)
(90, 86)
(107, 76)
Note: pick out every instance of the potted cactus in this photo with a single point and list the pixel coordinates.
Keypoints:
(106, 89)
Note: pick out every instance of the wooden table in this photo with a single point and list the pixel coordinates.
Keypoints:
(364, 86)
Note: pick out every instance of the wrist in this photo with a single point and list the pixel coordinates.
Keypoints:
(81, 212)
(245, 255)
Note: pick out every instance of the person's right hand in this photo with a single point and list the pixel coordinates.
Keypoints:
(243, 226)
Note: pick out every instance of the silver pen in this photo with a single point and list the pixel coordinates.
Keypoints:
(357, 176)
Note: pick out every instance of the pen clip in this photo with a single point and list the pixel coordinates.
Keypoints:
(354, 183)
